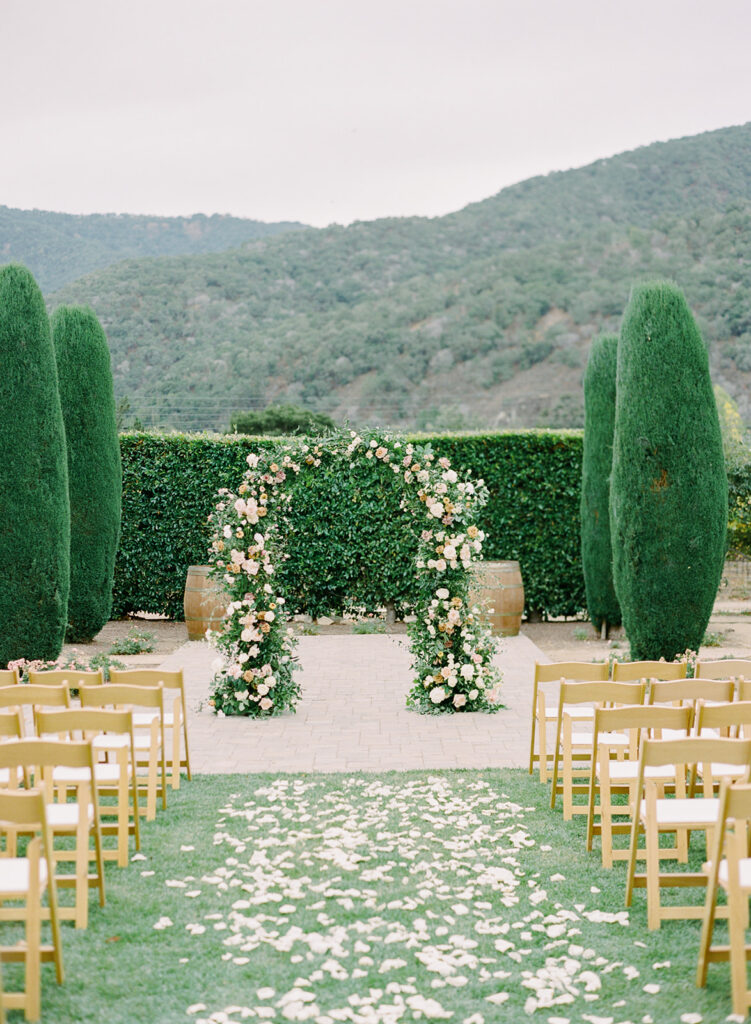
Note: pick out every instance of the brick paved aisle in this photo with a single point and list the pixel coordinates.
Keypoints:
(352, 714)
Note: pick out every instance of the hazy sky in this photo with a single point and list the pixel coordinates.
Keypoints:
(341, 110)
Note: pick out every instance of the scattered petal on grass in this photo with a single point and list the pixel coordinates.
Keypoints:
(651, 989)
(498, 998)
(196, 1008)
(691, 1018)
(163, 922)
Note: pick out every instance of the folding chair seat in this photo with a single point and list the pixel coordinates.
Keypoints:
(110, 733)
(630, 671)
(24, 880)
(547, 679)
(30, 699)
(610, 777)
(655, 816)
(38, 758)
(175, 713)
(148, 740)
(572, 754)
(729, 869)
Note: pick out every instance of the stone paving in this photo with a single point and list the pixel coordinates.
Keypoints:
(352, 715)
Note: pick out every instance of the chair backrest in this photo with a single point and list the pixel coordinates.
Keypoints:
(122, 695)
(681, 690)
(729, 668)
(21, 808)
(624, 671)
(73, 678)
(606, 692)
(34, 696)
(40, 753)
(642, 717)
(9, 677)
(85, 722)
(730, 716)
(170, 680)
(691, 752)
(580, 671)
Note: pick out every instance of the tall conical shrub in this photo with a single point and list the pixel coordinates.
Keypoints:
(597, 459)
(34, 509)
(94, 472)
(668, 489)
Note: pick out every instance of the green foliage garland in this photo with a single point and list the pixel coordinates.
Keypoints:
(94, 473)
(597, 461)
(452, 648)
(35, 513)
(668, 492)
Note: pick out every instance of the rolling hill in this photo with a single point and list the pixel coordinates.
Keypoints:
(60, 247)
(479, 318)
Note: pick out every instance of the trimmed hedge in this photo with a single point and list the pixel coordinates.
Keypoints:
(599, 420)
(34, 506)
(668, 489)
(169, 483)
(94, 476)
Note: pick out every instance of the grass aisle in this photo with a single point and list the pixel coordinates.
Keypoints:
(374, 898)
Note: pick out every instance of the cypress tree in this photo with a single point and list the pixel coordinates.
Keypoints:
(597, 459)
(34, 508)
(668, 490)
(94, 471)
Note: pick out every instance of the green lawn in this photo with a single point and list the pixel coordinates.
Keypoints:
(374, 898)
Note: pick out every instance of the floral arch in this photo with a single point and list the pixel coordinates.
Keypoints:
(452, 647)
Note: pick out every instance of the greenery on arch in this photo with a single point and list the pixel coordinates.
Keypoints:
(452, 646)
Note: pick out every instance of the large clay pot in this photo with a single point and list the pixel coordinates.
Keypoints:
(205, 602)
(500, 585)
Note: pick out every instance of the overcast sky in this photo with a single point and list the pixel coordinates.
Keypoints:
(337, 110)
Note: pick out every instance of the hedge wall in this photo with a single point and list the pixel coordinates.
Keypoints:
(533, 516)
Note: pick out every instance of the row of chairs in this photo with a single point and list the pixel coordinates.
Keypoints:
(85, 769)
(665, 746)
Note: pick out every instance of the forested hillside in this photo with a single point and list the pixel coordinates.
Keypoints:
(60, 247)
(482, 317)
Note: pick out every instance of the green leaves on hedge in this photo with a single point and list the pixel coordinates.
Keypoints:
(34, 509)
(94, 474)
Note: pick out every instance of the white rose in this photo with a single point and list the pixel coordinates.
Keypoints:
(437, 694)
(269, 616)
(467, 671)
(442, 593)
(449, 552)
(266, 703)
(437, 510)
(450, 476)
(472, 695)
(262, 689)
(459, 700)
(440, 565)
(217, 665)
(227, 531)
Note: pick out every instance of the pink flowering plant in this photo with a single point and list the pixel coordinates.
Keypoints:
(451, 644)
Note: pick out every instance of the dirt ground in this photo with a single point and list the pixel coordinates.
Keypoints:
(565, 640)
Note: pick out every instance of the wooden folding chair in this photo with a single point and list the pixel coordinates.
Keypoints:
(729, 869)
(79, 818)
(544, 712)
(610, 776)
(148, 740)
(572, 754)
(629, 671)
(175, 715)
(656, 816)
(23, 880)
(11, 728)
(111, 735)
